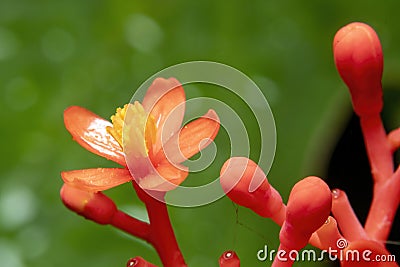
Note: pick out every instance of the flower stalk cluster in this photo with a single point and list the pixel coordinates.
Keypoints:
(150, 147)
(359, 59)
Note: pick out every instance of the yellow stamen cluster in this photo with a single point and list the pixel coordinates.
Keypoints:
(118, 124)
(139, 130)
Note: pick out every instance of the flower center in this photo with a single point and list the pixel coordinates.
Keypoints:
(139, 129)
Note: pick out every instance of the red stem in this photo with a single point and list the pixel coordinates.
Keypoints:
(385, 199)
(283, 257)
(344, 214)
(378, 148)
(327, 235)
(131, 225)
(383, 208)
(161, 234)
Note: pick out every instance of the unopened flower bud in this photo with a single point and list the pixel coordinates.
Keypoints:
(359, 60)
(93, 206)
(229, 259)
(139, 262)
(245, 183)
(308, 208)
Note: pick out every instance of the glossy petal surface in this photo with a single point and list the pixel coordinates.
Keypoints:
(165, 178)
(89, 130)
(165, 101)
(98, 179)
(193, 137)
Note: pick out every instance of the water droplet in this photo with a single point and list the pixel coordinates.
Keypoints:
(336, 193)
(132, 262)
(228, 254)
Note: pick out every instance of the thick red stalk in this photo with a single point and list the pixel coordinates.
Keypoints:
(327, 235)
(344, 214)
(131, 225)
(283, 258)
(378, 148)
(161, 234)
(101, 209)
(385, 199)
(383, 208)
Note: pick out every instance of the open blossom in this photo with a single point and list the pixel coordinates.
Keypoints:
(146, 139)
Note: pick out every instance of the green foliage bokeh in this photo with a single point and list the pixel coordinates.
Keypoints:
(54, 54)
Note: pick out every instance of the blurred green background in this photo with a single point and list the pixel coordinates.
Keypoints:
(54, 54)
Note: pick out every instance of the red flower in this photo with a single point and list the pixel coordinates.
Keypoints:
(149, 133)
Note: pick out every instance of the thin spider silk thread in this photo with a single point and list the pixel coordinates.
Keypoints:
(245, 226)
(236, 207)
(390, 242)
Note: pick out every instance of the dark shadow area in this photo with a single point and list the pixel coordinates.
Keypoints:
(349, 169)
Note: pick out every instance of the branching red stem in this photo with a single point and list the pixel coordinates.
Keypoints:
(378, 148)
(344, 214)
(161, 234)
(131, 225)
(383, 208)
(327, 235)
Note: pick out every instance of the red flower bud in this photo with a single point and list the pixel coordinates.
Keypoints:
(245, 183)
(308, 208)
(93, 206)
(359, 60)
(229, 259)
(139, 262)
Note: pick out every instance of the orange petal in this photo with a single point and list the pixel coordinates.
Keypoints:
(165, 178)
(165, 100)
(89, 130)
(96, 179)
(193, 137)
